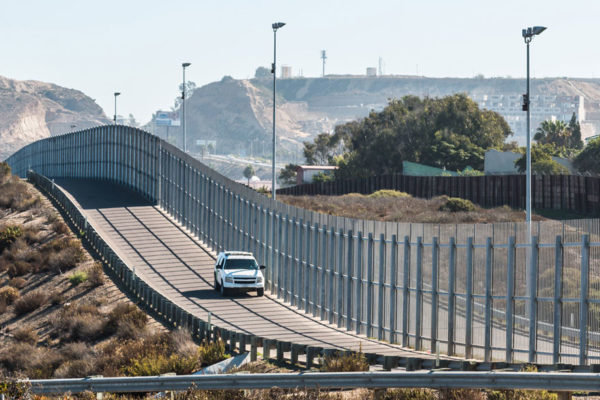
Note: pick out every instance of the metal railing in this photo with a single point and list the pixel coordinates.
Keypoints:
(371, 380)
(459, 289)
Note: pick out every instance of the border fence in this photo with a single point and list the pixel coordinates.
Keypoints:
(575, 193)
(476, 290)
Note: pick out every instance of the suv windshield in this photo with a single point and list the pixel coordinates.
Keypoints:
(240, 264)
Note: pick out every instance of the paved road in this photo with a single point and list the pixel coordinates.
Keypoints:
(172, 261)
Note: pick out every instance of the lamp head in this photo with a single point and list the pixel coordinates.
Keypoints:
(277, 25)
(186, 64)
(538, 29)
(531, 32)
(117, 94)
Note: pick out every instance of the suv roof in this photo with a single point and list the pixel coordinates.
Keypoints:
(238, 253)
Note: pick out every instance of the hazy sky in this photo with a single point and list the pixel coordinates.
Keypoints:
(136, 47)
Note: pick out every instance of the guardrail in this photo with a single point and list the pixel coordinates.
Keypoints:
(465, 289)
(346, 380)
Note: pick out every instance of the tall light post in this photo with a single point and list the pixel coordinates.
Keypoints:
(275, 26)
(528, 35)
(183, 90)
(116, 95)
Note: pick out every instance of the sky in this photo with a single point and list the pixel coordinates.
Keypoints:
(137, 47)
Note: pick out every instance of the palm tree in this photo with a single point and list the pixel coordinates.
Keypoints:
(555, 132)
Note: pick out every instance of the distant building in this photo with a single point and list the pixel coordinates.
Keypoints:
(306, 173)
(371, 71)
(543, 108)
(286, 72)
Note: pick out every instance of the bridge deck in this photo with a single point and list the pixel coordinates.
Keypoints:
(174, 262)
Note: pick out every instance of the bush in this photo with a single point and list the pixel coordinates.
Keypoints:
(60, 227)
(26, 335)
(9, 294)
(30, 302)
(56, 298)
(15, 195)
(387, 193)
(455, 204)
(75, 369)
(96, 274)
(5, 173)
(348, 362)
(17, 283)
(125, 319)
(63, 254)
(78, 277)
(156, 364)
(80, 323)
(211, 353)
(8, 235)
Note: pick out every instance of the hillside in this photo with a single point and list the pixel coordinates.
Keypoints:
(32, 110)
(237, 114)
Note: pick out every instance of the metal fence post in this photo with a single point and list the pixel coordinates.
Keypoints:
(359, 281)
(380, 305)
(558, 277)
(489, 252)
(405, 292)
(331, 273)
(369, 317)
(434, 293)
(469, 301)
(451, 295)
(583, 300)
(339, 287)
(349, 262)
(419, 295)
(510, 294)
(533, 299)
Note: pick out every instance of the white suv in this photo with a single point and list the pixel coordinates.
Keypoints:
(238, 270)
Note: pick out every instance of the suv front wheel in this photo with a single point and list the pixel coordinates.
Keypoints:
(260, 292)
(224, 290)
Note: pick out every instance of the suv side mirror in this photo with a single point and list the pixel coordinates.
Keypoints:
(262, 267)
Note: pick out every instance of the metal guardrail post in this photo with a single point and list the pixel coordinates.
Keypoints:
(533, 303)
(510, 294)
(558, 279)
(583, 299)
(489, 252)
(419, 295)
(405, 292)
(469, 301)
(451, 296)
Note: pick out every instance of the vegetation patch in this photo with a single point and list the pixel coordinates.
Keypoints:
(78, 277)
(387, 193)
(345, 362)
(455, 204)
(9, 294)
(30, 302)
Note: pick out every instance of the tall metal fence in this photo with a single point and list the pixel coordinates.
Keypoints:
(467, 289)
(566, 192)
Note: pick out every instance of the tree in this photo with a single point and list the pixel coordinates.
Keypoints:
(450, 132)
(262, 73)
(574, 128)
(541, 160)
(323, 149)
(287, 175)
(589, 158)
(249, 173)
(189, 89)
(554, 132)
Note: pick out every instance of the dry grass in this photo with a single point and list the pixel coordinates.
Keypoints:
(9, 294)
(26, 335)
(96, 274)
(17, 283)
(30, 302)
(350, 362)
(401, 209)
(16, 195)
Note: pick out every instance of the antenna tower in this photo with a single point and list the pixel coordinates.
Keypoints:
(323, 57)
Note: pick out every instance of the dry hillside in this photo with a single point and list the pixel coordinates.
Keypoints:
(32, 110)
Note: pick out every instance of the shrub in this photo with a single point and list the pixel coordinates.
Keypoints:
(17, 283)
(96, 274)
(125, 318)
(19, 268)
(156, 364)
(30, 302)
(75, 369)
(80, 323)
(8, 235)
(455, 204)
(60, 227)
(26, 335)
(210, 353)
(78, 277)
(387, 193)
(63, 254)
(16, 195)
(5, 173)
(9, 294)
(347, 362)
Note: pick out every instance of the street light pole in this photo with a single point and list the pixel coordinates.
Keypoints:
(183, 90)
(115, 118)
(275, 26)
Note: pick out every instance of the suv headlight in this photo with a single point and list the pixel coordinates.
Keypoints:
(229, 279)
(259, 279)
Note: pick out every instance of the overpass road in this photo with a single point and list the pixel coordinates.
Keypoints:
(174, 262)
